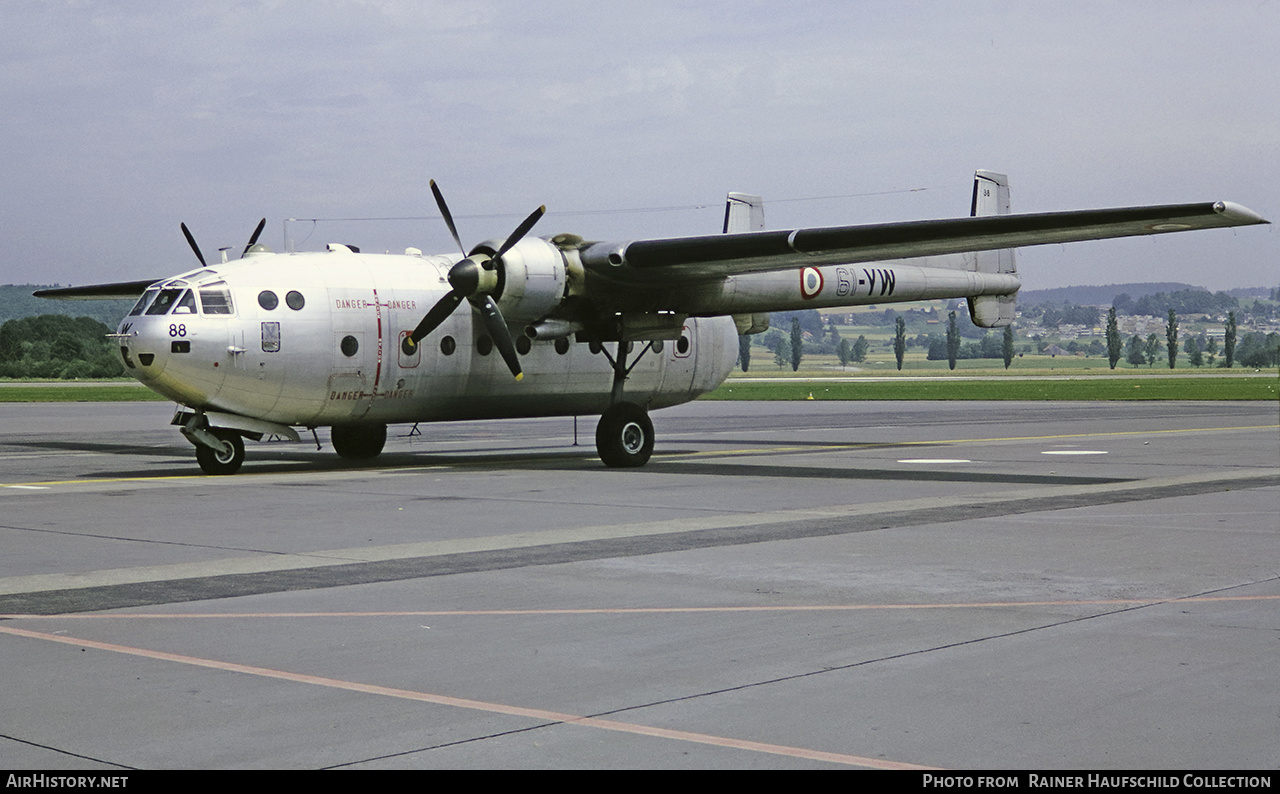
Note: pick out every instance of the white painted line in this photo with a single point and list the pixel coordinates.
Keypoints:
(28, 487)
(935, 460)
(1074, 452)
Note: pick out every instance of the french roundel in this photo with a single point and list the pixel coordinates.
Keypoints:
(810, 282)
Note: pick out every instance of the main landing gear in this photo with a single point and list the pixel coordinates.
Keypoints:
(624, 436)
(358, 442)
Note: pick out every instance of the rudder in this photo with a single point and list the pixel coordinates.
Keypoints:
(991, 197)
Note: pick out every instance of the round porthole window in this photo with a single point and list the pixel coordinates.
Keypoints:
(523, 345)
(447, 345)
(349, 346)
(562, 345)
(268, 300)
(484, 345)
(682, 345)
(294, 300)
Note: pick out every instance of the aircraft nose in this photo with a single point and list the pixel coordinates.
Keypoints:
(145, 349)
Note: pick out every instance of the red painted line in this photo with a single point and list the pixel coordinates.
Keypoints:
(377, 375)
(465, 703)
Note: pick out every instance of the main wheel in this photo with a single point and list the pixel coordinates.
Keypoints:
(358, 442)
(226, 460)
(624, 437)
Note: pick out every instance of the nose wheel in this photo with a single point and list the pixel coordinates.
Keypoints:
(624, 436)
(227, 458)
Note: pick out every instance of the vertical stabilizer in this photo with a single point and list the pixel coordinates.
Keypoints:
(743, 213)
(991, 197)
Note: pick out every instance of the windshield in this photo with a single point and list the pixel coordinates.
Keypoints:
(142, 302)
(164, 302)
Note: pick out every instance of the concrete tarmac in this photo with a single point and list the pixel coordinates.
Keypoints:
(786, 585)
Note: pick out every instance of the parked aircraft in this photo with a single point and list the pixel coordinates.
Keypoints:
(355, 341)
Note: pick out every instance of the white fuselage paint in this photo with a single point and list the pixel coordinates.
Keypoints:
(291, 366)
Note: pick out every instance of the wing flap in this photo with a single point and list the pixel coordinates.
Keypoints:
(728, 254)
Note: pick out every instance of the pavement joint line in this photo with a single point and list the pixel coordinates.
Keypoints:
(275, 562)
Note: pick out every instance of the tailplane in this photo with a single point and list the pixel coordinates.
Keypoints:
(991, 197)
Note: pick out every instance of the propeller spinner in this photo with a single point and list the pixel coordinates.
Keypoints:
(474, 278)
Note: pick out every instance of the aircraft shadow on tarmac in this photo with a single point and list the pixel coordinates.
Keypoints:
(282, 458)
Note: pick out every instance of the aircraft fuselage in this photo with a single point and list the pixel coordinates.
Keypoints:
(315, 339)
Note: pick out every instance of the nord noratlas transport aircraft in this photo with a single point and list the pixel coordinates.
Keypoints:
(547, 326)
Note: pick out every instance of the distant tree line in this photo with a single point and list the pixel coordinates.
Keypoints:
(1185, 301)
(57, 346)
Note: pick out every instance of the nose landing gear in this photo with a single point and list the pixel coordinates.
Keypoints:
(228, 455)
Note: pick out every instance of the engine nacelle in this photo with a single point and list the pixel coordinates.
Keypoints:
(532, 279)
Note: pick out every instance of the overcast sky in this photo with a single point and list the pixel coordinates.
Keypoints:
(121, 120)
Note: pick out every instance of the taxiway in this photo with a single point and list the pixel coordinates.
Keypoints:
(786, 585)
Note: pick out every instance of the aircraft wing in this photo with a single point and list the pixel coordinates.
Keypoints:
(753, 252)
(117, 291)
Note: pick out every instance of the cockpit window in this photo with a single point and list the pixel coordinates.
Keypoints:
(186, 304)
(164, 301)
(215, 298)
(142, 302)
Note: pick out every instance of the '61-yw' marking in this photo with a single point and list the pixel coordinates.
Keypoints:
(850, 281)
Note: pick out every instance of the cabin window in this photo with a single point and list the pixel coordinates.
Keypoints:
(294, 300)
(164, 301)
(349, 346)
(523, 345)
(268, 300)
(447, 345)
(562, 345)
(215, 298)
(142, 302)
(484, 345)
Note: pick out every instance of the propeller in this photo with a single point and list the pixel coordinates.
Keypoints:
(254, 237)
(191, 240)
(475, 278)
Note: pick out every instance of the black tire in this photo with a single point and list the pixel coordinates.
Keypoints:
(358, 442)
(226, 460)
(624, 437)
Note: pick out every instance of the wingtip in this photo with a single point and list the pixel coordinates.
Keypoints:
(1238, 213)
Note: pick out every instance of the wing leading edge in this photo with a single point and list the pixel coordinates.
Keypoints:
(756, 252)
(118, 291)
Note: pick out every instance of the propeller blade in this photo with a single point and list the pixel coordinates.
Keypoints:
(448, 218)
(254, 237)
(192, 242)
(497, 328)
(437, 314)
(521, 230)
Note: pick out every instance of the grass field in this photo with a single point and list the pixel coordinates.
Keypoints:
(974, 383)
(107, 392)
(1084, 388)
